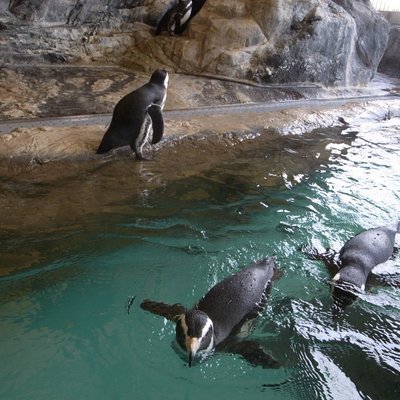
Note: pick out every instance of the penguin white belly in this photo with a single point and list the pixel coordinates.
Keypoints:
(186, 16)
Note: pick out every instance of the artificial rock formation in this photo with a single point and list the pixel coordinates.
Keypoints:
(332, 42)
(390, 63)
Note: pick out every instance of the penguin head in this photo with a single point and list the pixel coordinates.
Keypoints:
(347, 284)
(194, 332)
(160, 77)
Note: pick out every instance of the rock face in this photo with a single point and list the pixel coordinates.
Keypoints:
(333, 42)
(391, 60)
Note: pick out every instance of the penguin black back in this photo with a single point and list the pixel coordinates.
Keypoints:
(130, 113)
(370, 248)
(233, 299)
(214, 321)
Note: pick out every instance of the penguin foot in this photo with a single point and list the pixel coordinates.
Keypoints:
(145, 158)
(253, 352)
(141, 157)
(137, 154)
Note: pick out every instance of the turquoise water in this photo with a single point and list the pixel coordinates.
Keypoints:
(168, 230)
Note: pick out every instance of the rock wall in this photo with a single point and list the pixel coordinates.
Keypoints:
(333, 42)
(83, 12)
(390, 63)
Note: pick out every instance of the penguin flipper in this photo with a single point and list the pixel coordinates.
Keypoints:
(171, 312)
(164, 21)
(253, 353)
(329, 257)
(157, 120)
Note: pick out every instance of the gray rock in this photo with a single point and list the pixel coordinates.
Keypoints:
(332, 42)
(390, 63)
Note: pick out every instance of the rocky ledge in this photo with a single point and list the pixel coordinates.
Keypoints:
(39, 94)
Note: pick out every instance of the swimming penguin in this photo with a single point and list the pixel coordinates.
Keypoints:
(356, 259)
(136, 114)
(214, 322)
(177, 18)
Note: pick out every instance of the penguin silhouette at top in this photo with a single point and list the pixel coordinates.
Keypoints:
(215, 321)
(136, 114)
(177, 18)
(353, 265)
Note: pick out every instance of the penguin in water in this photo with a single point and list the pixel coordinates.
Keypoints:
(215, 321)
(177, 18)
(356, 259)
(136, 114)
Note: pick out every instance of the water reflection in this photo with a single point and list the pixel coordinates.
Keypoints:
(101, 231)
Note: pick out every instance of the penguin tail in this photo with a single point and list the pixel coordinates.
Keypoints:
(101, 150)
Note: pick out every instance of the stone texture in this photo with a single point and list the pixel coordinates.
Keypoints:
(333, 42)
(391, 59)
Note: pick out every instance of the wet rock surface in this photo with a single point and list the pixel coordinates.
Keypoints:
(45, 92)
(52, 185)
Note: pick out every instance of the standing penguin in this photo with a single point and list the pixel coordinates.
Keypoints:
(356, 260)
(216, 319)
(177, 18)
(174, 20)
(136, 114)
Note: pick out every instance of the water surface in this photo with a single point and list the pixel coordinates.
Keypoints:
(96, 233)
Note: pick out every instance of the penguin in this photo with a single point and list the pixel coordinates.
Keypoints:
(136, 114)
(215, 321)
(174, 20)
(177, 18)
(356, 260)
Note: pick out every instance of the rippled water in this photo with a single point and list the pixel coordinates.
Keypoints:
(168, 230)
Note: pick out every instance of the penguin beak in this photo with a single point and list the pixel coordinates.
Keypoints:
(192, 345)
(191, 356)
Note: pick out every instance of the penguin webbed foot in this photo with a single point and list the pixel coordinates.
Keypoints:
(391, 280)
(144, 158)
(168, 311)
(253, 352)
(138, 155)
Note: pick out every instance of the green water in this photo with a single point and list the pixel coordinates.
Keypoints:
(170, 229)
